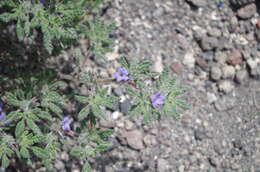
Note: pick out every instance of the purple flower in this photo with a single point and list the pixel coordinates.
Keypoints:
(2, 113)
(157, 100)
(42, 2)
(2, 116)
(65, 124)
(121, 75)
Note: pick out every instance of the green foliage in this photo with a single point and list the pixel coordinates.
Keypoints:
(97, 33)
(90, 143)
(61, 23)
(32, 117)
(95, 103)
(142, 92)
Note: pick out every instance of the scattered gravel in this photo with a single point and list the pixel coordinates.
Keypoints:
(211, 47)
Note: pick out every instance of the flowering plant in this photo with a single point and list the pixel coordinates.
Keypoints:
(34, 123)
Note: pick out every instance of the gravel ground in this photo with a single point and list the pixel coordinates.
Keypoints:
(213, 48)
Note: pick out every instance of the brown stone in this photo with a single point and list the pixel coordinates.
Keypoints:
(235, 58)
(176, 67)
(201, 62)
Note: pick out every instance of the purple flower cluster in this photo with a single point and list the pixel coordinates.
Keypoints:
(2, 113)
(121, 75)
(65, 124)
(157, 100)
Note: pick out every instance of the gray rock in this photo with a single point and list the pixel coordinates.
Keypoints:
(214, 32)
(224, 43)
(125, 106)
(181, 168)
(64, 156)
(189, 59)
(214, 161)
(135, 139)
(228, 71)
(225, 103)
(252, 63)
(215, 73)
(226, 86)
(158, 64)
(59, 165)
(209, 43)
(220, 57)
(118, 92)
(149, 140)
(129, 125)
(241, 76)
(198, 3)
(257, 34)
(247, 11)
(211, 97)
(208, 55)
(162, 165)
(158, 12)
(255, 73)
(200, 134)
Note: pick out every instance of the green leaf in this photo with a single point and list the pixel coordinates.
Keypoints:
(76, 152)
(103, 92)
(124, 62)
(14, 115)
(39, 152)
(44, 115)
(97, 111)
(5, 161)
(38, 139)
(103, 147)
(19, 128)
(86, 168)
(82, 99)
(47, 164)
(24, 152)
(84, 113)
(182, 104)
(131, 92)
(19, 30)
(106, 133)
(59, 84)
(34, 127)
(56, 109)
(12, 99)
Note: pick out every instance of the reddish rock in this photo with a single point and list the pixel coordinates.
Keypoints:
(201, 62)
(176, 67)
(235, 58)
(258, 24)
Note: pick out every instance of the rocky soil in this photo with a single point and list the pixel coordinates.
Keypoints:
(210, 46)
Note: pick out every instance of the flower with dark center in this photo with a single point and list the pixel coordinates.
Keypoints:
(121, 75)
(157, 100)
(65, 124)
